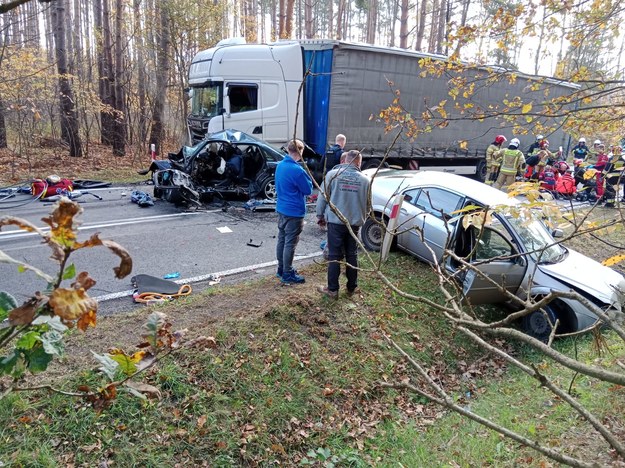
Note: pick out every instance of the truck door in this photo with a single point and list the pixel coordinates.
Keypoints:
(243, 108)
(424, 221)
(275, 112)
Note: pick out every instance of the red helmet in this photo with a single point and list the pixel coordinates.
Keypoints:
(499, 139)
(561, 166)
(544, 144)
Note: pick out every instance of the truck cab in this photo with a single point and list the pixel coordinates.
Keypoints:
(247, 87)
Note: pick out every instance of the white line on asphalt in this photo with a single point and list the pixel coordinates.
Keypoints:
(219, 274)
(118, 222)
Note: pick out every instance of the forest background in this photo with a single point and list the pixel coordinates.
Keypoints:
(79, 74)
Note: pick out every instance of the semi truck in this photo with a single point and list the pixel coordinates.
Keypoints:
(316, 89)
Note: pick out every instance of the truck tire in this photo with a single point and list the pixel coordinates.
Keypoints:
(373, 163)
(480, 171)
(372, 234)
(268, 188)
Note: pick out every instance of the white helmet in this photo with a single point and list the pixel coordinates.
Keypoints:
(582, 140)
(515, 142)
(539, 137)
(597, 142)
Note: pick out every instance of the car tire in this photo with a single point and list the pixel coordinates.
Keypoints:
(537, 324)
(158, 193)
(372, 234)
(268, 189)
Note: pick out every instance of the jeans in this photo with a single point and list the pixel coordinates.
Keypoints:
(342, 244)
(289, 229)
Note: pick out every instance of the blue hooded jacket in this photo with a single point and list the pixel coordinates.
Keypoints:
(292, 187)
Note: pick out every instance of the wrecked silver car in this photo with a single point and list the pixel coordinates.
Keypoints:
(520, 254)
(225, 163)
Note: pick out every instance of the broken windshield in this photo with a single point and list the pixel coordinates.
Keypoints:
(537, 240)
(206, 101)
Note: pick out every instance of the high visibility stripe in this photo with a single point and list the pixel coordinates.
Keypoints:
(394, 211)
(414, 165)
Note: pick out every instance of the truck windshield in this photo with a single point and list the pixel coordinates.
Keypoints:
(206, 101)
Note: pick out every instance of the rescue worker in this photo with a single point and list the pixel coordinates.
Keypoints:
(548, 178)
(614, 173)
(535, 146)
(565, 185)
(512, 161)
(492, 164)
(600, 165)
(536, 162)
(593, 152)
(580, 150)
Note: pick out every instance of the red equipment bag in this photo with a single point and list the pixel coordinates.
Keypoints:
(51, 186)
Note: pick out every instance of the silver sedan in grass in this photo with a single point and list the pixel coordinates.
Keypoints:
(516, 251)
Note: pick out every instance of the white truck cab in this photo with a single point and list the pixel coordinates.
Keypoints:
(247, 87)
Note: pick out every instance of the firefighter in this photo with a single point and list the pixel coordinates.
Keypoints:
(594, 151)
(600, 165)
(536, 162)
(535, 146)
(580, 150)
(512, 161)
(492, 164)
(614, 172)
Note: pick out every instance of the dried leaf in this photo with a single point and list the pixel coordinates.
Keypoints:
(87, 320)
(24, 314)
(83, 280)
(148, 390)
(71, 304)
(61, 221)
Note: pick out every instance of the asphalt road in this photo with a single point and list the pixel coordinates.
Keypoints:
(161, 239)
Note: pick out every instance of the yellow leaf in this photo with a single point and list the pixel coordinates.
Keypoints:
(613, 260)
(526, 108)
(71, 304)
(463, 144)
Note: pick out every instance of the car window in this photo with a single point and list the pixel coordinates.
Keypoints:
(410, 196)
(436, 201)
(491, 244)
(270, 155)
(243, 98)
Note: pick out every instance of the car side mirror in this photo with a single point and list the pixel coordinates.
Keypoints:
(557, 233)
(520, 261)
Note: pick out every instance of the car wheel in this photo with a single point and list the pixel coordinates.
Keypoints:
(158, 193)
(372, 235)
(268, 188)
(538, 324)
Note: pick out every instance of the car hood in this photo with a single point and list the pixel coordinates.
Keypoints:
(587, 275)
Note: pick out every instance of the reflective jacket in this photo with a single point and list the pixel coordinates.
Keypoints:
(511, 161)
(491, 159)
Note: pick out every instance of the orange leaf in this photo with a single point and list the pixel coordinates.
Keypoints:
(61, 222)
(86, 320)
(84, 281)
(71, 304)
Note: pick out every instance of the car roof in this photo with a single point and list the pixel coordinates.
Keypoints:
(236, 136)
(391, 179)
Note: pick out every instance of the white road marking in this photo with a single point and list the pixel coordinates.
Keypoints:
(219, 274)
(118, 222)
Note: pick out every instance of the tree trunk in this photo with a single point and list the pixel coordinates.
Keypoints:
(339, 19)
(309, 19)
(442, 26)
(433, 27)
(157, 133)
(288, 21)
(403, 24)
(281, 18)
(141, 75)
(69, 120)
(330, 18)
(421, 26)
(120, 128)
(3, 127)
(372, 22)
(107, 78)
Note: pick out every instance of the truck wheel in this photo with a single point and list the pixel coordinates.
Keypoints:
(480, 171)
(372, 234)
(371, 163)
(538, 324)
(268, 188)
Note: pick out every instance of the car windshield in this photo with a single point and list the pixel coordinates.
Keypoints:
(537, 240)
(206, 101)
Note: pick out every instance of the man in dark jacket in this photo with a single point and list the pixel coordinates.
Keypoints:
(292, 187)
(333, 155)
(343, 200)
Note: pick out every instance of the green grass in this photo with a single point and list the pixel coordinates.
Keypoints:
(298, 385)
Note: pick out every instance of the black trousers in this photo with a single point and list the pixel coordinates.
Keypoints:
(341, 245)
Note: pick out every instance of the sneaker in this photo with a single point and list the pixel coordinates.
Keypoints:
(327, 293)
(279, 273)
(291, 277)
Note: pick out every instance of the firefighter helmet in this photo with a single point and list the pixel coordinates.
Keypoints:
(515, 142)
(499, 139)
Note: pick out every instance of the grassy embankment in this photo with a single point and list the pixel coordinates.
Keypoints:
(295, 382)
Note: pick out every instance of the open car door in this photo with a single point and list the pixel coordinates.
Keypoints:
(493, 254)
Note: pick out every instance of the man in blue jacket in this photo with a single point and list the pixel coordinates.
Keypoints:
(292, 187)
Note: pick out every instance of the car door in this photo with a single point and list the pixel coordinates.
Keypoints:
(496, 258)
(424, 221)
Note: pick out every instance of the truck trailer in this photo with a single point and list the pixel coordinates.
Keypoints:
(316, 89)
